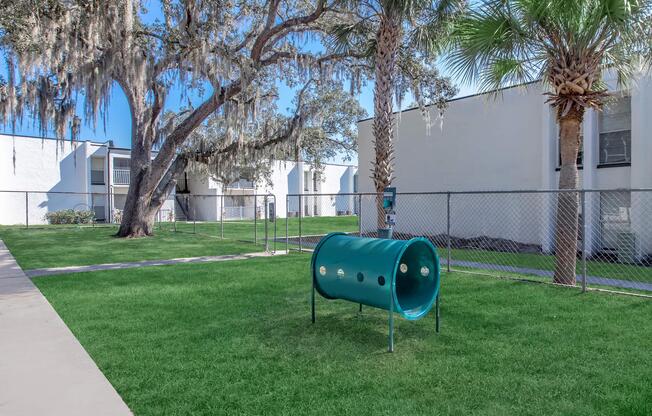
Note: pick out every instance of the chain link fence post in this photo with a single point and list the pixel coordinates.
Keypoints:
(360, 215)
(26, 209)
(194, 217)
(255, 220)
(275, 219)
(300, 217)
(174, 211)
(222, 216)
(448, 231)
(287, 228)
(584, 234)
(266, 223)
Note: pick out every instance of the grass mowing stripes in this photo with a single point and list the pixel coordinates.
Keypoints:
(47, 247)
(235, 338)
(57, 246)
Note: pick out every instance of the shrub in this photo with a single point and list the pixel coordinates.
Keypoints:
(70, 216)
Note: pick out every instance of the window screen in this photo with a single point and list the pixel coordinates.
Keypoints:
(615, 124)
(615, 209)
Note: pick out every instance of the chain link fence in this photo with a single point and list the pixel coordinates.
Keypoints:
(591, 239)
(242, 217)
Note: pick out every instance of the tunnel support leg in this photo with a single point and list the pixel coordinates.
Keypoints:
(390, 347)
(437, 314)
(312, 301)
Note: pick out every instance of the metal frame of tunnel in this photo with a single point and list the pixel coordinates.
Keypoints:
(390, 336)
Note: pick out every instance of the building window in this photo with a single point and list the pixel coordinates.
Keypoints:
(99, 207)
(97, 171)
(306, 181)
(355, 183)
(315, 182)
(615, 217)
(122, 163)
(580, 153)
(615, 124)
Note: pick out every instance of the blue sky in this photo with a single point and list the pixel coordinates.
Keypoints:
(118, 120)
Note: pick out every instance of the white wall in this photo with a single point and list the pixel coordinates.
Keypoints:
(204, 201)
(287, 178)
(41, 165)
(485, 144)
(504, 143)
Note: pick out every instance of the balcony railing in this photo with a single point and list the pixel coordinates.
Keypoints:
(121, 176)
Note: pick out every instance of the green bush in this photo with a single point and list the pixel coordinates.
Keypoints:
(70, 216)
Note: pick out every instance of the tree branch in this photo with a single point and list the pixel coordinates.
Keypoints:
(268, 33)
(182, 131)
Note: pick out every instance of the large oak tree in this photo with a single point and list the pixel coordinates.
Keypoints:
(225, 53)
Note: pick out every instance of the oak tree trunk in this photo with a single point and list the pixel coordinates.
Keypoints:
(566, 227)
(388, 38)
(138, 216)
(146, 194)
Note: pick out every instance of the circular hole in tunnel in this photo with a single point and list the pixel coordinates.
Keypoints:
(415, 290)
(360, 277)
(381, 280)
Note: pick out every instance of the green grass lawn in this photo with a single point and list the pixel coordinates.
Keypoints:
(235, 338)
(48, 247)
(245, 229)
(56, 246)
(547, 262)
(51, 246)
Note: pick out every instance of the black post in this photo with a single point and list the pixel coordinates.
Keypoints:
(287, 216)
(312, 300)
(300, 217)
(437, 323)
(266, 224)
(390, 341)
(26, 209)
(448, 232)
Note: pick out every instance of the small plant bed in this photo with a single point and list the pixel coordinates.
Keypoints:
(236, 338)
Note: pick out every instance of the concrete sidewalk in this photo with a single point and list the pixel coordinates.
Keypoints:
(44, 370)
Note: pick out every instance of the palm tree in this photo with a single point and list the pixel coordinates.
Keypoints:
(566, 44)
(400, 37)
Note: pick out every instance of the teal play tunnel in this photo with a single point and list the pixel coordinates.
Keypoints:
(398, 275)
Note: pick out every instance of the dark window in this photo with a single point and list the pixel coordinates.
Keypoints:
(615, 211)
(615, 123)
(97, 171)
(97, 177)
(121, 163)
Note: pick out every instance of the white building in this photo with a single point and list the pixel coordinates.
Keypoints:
(510, 142)
(95, 176)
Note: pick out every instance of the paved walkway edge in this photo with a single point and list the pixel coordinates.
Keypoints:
(145, 263)
(44, 370)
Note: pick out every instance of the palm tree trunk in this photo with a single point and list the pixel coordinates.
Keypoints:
(566, 227)
(388, 38)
